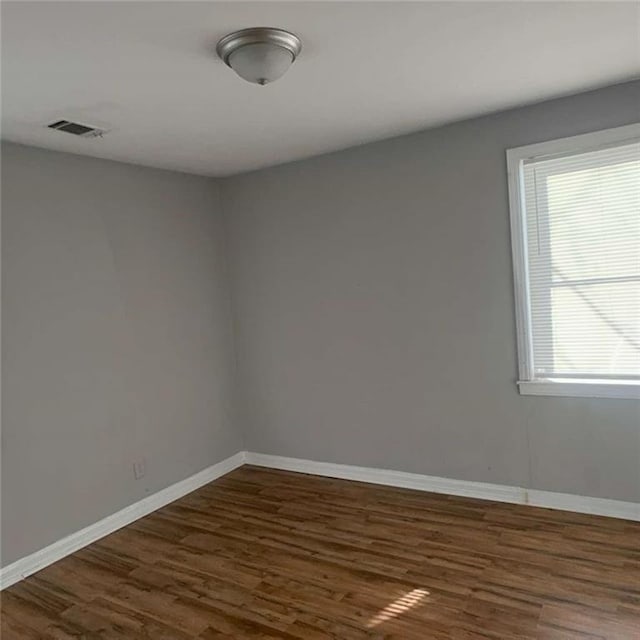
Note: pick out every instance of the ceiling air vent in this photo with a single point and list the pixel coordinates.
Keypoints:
(76, 129)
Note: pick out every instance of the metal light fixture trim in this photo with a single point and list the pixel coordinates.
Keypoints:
(232, 42)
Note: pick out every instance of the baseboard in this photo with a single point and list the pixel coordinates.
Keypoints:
(24, 567)
(584, 504)
(482, 490)
(500, 493)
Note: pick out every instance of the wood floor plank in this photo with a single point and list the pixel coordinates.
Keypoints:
(265, 554)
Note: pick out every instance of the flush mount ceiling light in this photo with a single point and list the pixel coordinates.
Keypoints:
(261, 54)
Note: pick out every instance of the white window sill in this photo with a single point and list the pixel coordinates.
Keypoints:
(581, 388)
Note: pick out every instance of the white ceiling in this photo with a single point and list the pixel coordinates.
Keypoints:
(368, 70)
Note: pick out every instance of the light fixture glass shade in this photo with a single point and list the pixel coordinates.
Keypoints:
(261, 63)
(259, 54)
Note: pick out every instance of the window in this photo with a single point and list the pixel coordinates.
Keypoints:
(575, 223)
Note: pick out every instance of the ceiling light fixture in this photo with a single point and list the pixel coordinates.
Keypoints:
(261, 54)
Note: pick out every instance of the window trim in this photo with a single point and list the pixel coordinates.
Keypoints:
(528, 384)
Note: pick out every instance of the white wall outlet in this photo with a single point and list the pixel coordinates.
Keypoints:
(139, 469)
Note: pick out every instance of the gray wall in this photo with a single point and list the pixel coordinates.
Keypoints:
(374, 310)
(117, 340)
(374, 323)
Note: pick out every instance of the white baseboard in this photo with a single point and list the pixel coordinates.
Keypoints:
(500, 493)
(482, 490)
(584, 504)
(24, 567)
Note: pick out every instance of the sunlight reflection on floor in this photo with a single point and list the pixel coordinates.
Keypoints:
(406, 602)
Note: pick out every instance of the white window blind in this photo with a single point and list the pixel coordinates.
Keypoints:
(580, 226)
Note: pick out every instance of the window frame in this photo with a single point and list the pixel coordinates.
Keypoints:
(528, 383)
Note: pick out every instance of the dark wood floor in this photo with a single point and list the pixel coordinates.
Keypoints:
(269, 554)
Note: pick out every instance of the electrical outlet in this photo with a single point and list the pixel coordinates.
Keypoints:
(139, 469)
